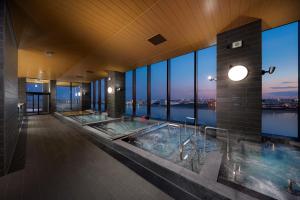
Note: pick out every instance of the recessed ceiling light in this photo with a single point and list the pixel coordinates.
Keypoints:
(49, 53)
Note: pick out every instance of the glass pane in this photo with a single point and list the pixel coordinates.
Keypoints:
(96, 95)
(76, 96)
(207, 66)
(103, 92)
(44, 103)
(141, 91)
(159, 90)
(128, 93)
(29, 103)
(280, 89)
(63, 97)
(182, 87)
(92, 95)
(36, 87)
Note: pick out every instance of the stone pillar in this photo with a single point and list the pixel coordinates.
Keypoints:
(52, 96)
(22, 92)
(45, 100)
(9, 132)
(239, 102)
(116, 99)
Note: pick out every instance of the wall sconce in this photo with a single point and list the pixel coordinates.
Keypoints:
(109, 90)
(270, 71)
(210, 78)
(109, 78)
(237, 73)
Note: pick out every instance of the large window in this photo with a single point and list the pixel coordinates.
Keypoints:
(207, 66)
(96, 95)
(76, 94)
(159, 90)
(103, 93)
(63, 102)
(92, 95)
(280, 90)
(35, 87)
(128, 93)
(182, 87)
(141, 91)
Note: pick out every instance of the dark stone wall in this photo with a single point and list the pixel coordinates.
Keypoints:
(45, 105)
(116, 100)
(8, 90)
(86, 96)
(239, 103)
(22, 91)
(52, 96)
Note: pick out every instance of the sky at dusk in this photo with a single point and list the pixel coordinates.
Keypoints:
(159, 80)
(279, 49)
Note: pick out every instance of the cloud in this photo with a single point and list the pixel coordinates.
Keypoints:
(287, 82)
(284, 87)
(284, 94)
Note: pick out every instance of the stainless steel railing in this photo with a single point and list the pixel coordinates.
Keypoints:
(195, 124)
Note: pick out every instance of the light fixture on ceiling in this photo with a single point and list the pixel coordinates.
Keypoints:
(237, 73)
(49, 53)
(157, 39)
(270, 71)
(109, 90)
(210, 78)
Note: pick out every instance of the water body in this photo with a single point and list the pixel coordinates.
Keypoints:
(276, 122)
(280, 122)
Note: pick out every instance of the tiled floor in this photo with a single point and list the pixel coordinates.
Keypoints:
(61, 164)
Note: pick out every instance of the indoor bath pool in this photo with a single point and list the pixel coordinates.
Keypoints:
(183, 146)
(121, 127)
(269, 169)
(90, 118)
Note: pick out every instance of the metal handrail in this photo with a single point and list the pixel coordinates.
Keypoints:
(181, 149)
(195, 123)
(220, 129)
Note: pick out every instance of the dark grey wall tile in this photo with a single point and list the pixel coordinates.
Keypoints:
(239, 103)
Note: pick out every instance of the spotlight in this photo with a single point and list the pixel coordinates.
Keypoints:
(210, 78)
(270, 71)
(109, 90)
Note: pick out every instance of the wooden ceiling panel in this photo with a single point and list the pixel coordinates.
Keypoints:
(102, 35)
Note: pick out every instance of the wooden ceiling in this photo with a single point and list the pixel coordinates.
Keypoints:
(89, 37)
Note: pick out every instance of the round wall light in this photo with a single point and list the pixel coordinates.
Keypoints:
(237, 73)
(109, 90)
